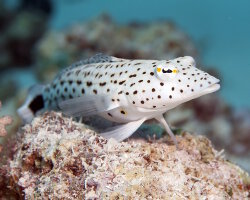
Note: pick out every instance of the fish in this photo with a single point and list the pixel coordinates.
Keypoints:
(121, 90)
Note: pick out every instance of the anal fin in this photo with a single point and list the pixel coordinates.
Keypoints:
(124, 131)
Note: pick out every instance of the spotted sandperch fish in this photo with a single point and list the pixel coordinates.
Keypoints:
(121, 90)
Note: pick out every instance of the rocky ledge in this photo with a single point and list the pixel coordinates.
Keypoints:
(57, 158)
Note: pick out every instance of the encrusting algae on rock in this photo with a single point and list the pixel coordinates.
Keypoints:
(57, 158)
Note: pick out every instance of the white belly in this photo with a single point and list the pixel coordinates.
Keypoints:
(125, 115)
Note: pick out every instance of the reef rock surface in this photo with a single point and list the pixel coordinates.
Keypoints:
(57, 158)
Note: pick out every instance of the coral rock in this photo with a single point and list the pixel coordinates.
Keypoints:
(4, 121)
(57, 158)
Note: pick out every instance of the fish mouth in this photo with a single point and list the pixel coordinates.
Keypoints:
(212, 88)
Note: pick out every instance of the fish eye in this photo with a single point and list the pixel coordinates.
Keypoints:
(166, 73)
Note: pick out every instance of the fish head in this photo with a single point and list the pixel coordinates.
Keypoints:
(183, 81)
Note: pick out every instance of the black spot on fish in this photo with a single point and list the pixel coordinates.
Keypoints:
(159, 96)
(96, 75)
(102, 84)
(138, 69)
(161, 83)
(144, 73)
(127, 93)
(120, 92)
(79, 82)
(112, 75)
(132, 84)
(115, 81)
(120, 73)
(153, 89)
(133, 75)
(135, 92)
(154, 106)
(95, 91)
(73, 90)
(152, 73)
(108, 90)
(37, 103)
(137, 63)
(83, 91)
(61, 82)
(133, 102)
(70, 82)
(140, 81)
(89, 83)
(148, 81)
(65, 89)
(181, 91)
(142, 102)
(121, 82)
(170, 96)
(70, 96)
(110, 114)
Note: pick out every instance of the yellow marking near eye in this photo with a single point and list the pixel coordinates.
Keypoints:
(158, 69)
(175, 71)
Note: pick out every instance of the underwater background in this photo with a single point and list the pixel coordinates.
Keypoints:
(40, 37)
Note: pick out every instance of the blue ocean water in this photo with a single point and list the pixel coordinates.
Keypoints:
(220, 29)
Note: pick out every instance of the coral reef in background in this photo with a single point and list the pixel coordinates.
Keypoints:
(57, 158)
(158, 40)
(4, 121)
(21, 28)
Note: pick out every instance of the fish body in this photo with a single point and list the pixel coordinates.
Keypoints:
(122, 90)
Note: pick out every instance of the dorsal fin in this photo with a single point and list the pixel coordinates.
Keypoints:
(98, 58)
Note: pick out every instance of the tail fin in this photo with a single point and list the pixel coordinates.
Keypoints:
(34, 103)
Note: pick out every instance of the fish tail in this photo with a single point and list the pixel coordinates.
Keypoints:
(33, 103)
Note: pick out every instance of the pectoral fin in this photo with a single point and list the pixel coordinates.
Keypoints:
(86, 105)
